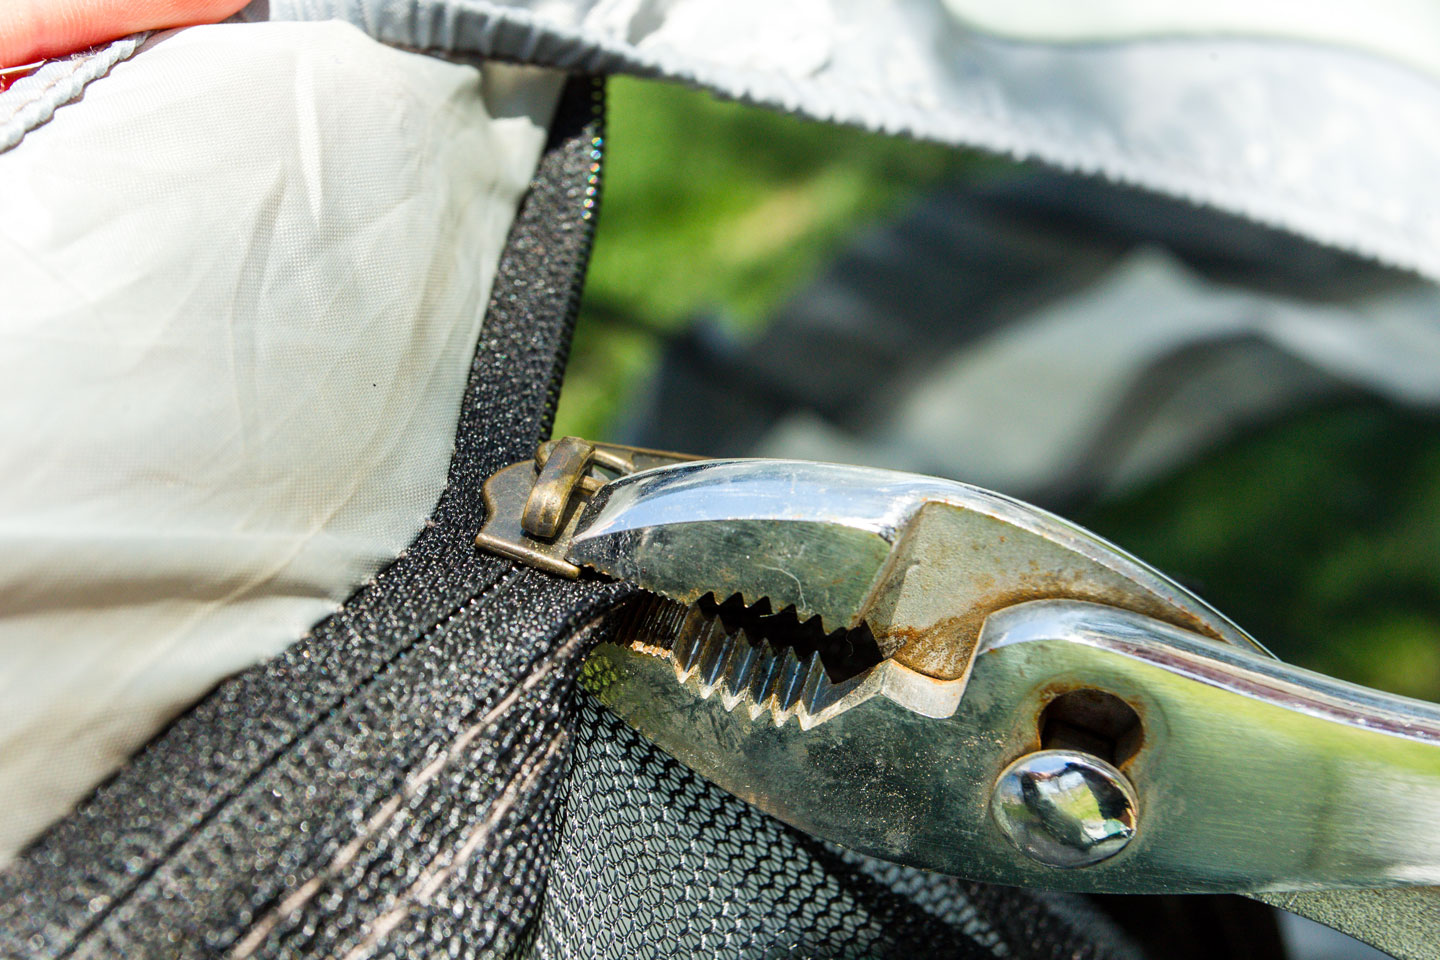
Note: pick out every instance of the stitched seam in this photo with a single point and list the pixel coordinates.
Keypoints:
(265, 764)
(59, 77)
(380, 821)
(442, 868)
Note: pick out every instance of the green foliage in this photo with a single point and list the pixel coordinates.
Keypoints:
(1320, 535)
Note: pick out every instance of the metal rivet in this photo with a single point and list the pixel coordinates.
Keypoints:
(1065, 808)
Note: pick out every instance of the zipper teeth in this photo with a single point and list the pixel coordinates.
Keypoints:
(588, 217)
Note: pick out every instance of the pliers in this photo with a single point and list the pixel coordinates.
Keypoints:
(942, 676)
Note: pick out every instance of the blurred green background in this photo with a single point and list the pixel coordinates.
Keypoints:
(1320, 535)
(714, 207)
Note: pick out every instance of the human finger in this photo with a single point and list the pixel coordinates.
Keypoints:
(33, 30)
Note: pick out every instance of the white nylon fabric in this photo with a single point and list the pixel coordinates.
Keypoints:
(243, 278)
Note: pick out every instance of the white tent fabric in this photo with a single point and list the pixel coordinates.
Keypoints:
(1406, 31)
(243, 279)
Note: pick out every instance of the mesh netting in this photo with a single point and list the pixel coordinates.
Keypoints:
(653, 861)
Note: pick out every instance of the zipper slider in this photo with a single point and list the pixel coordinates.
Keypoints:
(532, 507)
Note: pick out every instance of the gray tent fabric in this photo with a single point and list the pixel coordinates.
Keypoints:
(1328, 140)
(1060, 339)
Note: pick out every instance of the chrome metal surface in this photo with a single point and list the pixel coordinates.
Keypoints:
(1063, 808)
(1404, 921)
(1342, 783)
(921, 561)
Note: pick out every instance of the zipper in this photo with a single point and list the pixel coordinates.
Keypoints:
(590, 212)
(231, 828)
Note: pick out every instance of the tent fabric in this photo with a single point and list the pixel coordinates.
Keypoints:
(240, 304)
(1322, 130)
(1058, 339)
(1130, 378)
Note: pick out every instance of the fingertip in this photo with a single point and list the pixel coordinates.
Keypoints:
(39, 29)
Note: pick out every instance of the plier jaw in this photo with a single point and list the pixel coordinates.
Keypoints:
(984, 689)
(919, 562)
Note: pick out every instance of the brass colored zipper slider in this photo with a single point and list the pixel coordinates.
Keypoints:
(531, 507)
